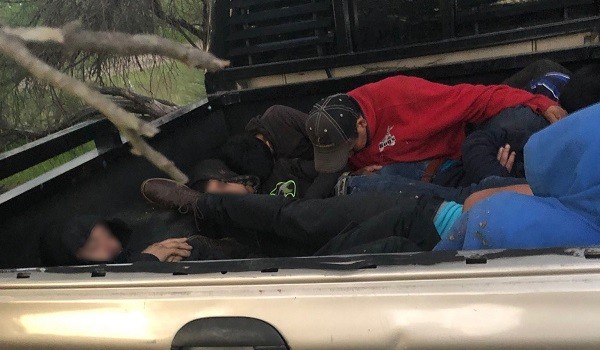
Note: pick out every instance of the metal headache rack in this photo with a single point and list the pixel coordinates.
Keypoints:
(267, 37)
(267, 31)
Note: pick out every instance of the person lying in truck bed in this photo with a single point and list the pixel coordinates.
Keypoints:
(373, 223)
(276, 148)
(282, 130)
(562, 168)
(408, 126)
(355, 225)
(560, 208)
(295, 177)
(493, 153)
(91, 239)
(574, 91)
(411, 126)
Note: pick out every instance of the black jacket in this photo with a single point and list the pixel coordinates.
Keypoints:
(479, 157)
(297, 178)
(285, 129)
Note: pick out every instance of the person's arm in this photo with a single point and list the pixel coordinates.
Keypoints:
(487, 101)
(322, 186)
(173, 249)
(451, 104)
(480, 155)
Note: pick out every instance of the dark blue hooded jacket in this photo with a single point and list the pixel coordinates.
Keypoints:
(562, 166)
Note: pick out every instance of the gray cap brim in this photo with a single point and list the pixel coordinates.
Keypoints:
(331, 160)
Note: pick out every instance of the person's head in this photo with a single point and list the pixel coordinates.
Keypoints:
(85, 239)
(213, 176)
(337, 130)
(582, 90)
(245, 154)
(100, 246)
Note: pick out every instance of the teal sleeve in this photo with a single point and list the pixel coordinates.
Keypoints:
(446, 216)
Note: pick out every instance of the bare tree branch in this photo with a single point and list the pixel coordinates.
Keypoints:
(151, 106)
(74, 38)
(14, 49)
(141, 148)
(176, 22)
(9, 132)
(107, 42)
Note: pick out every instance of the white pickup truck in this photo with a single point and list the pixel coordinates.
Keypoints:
(480, 300)
(547, 299)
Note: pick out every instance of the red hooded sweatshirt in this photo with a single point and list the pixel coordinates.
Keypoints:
(411, 119)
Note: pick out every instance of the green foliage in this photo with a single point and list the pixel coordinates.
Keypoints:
(17, 13)
(41, 168)
(30, 109)
(172, 81)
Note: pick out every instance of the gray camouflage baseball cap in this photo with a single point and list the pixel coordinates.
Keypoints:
(331, 127)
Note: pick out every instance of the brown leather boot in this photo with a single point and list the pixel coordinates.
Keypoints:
(169, 194)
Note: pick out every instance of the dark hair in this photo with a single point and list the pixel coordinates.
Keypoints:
(247, 155)
(582, 90)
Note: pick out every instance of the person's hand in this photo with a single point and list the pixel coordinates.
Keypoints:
(173, 249)
(506, 157)
(554, 114)
(368, 170)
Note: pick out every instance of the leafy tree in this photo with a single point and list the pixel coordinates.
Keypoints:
(30, 109)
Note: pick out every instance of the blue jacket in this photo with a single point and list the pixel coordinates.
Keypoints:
(562, 166)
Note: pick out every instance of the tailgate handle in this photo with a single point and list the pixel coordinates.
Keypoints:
(228, 332)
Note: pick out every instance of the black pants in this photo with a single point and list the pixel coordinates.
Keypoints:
(370, 223)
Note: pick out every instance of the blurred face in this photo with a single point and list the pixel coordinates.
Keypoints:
(101, 246)
(216, 186)
(361, 141)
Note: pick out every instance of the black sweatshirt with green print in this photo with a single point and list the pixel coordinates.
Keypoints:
(297, 178)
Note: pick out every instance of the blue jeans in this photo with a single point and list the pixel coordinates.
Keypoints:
(411, 170)
(408, 170)
(399, 184)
